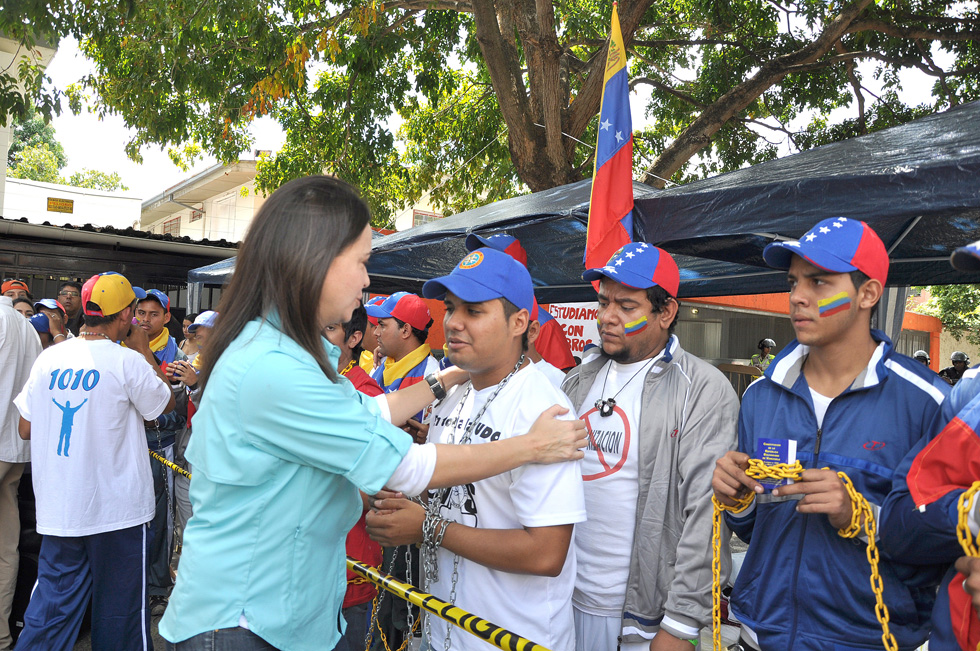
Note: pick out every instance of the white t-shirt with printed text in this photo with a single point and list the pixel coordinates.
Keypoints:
(86, 402)
(603, 544)
(536, 607)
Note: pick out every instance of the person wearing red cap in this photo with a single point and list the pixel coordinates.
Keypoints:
(403, 327)
(13, 288)
(83, 409)
(551, 344)
(843, 400)
(658, 417)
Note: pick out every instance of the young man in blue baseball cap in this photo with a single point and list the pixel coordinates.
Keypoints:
(844, 400)
(657, 417)
(486, 543)
(153, 315)
(550, 343)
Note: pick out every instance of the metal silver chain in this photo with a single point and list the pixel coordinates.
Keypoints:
(431, 533)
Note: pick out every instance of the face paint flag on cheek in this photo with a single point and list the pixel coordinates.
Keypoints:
(635, 327)
(834, 304)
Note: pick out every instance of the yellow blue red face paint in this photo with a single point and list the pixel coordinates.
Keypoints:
(834, 304)
(636, 327)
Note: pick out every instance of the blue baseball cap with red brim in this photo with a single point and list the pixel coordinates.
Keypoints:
(501, 242)
(837, 245)
(639, 265)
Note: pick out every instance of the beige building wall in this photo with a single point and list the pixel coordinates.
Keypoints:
(225, 216)
(947, 344)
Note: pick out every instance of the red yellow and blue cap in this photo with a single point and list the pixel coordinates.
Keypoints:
(377, 300)
(501, 242)
(967, 258)
(110, 293)
(405, 307)
(639, 265)
(159, 297)
(483, 275)
(838, 245)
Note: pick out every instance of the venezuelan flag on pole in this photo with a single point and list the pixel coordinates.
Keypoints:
(611, 208)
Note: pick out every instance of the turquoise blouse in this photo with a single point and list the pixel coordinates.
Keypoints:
(278, 455)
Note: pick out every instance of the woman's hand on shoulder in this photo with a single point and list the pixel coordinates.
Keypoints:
(552, 440)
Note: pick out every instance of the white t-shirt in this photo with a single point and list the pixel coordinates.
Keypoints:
(19, 347)
(820, 404)
(536, 607)
(86, 401)
(604, 543)
(554, 374)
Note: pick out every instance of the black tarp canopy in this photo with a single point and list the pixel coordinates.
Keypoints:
(916, 184)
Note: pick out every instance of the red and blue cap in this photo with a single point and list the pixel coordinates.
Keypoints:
(159, 297)
(403, 306)
(110, 292)
(483, 275)
(501, 242)
(377, 300)
(51, 304)
(838, 245)
(966, 258)
(639, 265)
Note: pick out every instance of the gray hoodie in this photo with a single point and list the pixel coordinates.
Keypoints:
(688, 420)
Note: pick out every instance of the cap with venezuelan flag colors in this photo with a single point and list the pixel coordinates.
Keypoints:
(838, 245)
(404, 306)
(640, 265)
(108, 293)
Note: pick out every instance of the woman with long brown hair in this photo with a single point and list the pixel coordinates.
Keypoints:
(282, 444)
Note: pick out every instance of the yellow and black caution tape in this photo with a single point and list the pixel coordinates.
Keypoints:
(170, 464)
(861, 517)
(486, 631)
(963, 533)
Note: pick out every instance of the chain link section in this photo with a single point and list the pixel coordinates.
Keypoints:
(452, 498)
(963, 533)
(861, 518)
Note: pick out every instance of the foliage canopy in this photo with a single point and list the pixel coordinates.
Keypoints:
(474, 100)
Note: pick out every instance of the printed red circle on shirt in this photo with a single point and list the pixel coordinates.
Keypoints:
(609, 468)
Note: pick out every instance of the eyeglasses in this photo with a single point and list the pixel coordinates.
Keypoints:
(75, 294)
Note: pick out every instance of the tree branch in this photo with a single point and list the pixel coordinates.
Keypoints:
(699, 133)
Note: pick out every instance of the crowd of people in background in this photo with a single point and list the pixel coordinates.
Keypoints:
(569, 501)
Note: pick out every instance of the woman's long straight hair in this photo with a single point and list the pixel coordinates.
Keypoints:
(299, 231)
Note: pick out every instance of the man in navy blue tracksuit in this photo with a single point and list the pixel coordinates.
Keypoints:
(846, 401)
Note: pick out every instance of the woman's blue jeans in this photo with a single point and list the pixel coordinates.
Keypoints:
(224, 639)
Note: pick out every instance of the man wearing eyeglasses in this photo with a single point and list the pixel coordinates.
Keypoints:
(70, 298)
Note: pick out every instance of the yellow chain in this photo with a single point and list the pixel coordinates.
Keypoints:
(860, 513)
(963, 533)
(374, 622)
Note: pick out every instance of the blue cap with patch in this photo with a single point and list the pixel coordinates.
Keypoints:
(483, 275)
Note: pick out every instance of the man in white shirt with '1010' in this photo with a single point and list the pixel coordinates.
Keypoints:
(510, 534)
(83, 409)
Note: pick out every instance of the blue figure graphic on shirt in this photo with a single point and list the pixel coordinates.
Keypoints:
(67, 422)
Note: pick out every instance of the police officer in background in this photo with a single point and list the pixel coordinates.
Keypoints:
(761, 359)
(952, 374)
(922, 356)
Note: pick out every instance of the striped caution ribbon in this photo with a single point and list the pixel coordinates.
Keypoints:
(486, 631)
(168, 463)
